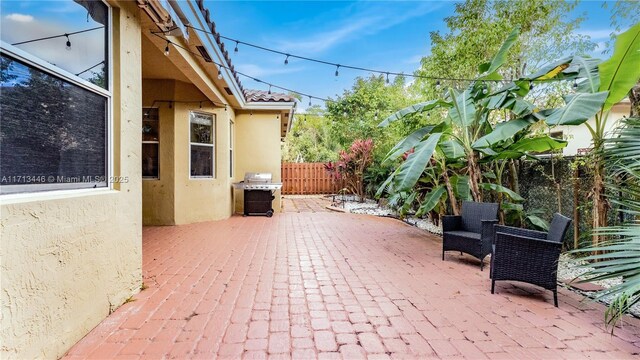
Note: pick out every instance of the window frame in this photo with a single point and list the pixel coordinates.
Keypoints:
(144, 178)
(214, 122)
(50, 69)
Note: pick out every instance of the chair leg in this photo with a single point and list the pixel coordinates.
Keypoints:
(555, 297)
(493, 286)
(442, 254)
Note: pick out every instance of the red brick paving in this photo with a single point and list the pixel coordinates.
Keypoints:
(331, 286)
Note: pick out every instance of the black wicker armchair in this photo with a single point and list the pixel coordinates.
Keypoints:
(472, 231)
(529, 256)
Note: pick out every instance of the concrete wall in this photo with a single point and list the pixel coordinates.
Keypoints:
(176, 198)
(69, 259)
(258, 149)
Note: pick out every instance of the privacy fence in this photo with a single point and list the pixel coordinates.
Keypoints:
(307, 179)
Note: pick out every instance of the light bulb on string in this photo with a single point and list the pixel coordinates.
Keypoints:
(485, 90)
(387, 78)
(68, 42)
(269, 89)
(376, 116)
(286, 60)
(575, 84)
(438, 84)
(337, 67)
(166, 49)
(236, 48)
(531, 85)
(219, 74)
(309, 101)
(200, 104)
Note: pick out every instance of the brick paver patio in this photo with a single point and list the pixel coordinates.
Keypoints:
(298, 203)
(330, 285)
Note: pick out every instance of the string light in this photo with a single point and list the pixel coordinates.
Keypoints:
(166, 49)
(438, 84)
(337, 67)
(58, 36)
(68, 42)
(485, 90)
(309, 101)
(269, 89)
(376, 115)
(286, 60)
(383, 72)
(575, 84)
(200, 104)
(236, 48)
(387, 78)
(530, 85)
(219, 74)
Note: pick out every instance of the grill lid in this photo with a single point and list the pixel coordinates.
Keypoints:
(257, 181)
(252, 177)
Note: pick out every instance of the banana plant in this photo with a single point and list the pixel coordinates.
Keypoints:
(469, 128)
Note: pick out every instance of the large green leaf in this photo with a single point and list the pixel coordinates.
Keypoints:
(538, 144)
(386, 185)
(538, 222)
(416, 108)
(502, 131)
(501, 189)
(578, 109)
(463, 111)
(621, 72)
(588, 79)
(410, 170)
(407, 143)
(460, 184)
(551, 70)
(431, 200)
(452, 149)
(501, 56)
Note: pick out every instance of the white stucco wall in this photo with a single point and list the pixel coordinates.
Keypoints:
(68, 259)
(579, 136)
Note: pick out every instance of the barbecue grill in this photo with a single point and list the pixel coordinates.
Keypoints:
(258, 193)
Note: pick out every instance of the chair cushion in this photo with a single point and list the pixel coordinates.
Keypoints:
(464, 234)
(474, 212)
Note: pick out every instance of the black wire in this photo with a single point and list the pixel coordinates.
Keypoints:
(381, 72)
(85, 70)
(57, 36)
(240, 73)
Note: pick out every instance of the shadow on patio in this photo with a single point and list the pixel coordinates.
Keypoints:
(329, 285)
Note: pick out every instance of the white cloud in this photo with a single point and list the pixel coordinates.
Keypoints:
(258, 71)
(368, 21)
(19, 17)
(596, 34)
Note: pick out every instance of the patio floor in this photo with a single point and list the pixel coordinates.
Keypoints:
(330, 285)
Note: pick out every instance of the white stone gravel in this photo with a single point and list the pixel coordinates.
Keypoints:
(567, 267)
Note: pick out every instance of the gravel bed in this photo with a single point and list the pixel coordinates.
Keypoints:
(568, 267)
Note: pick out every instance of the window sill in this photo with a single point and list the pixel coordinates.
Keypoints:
(9, 199)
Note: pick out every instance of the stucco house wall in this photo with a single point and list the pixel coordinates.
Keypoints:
(69, 258)
(579, 137)
(258, 148)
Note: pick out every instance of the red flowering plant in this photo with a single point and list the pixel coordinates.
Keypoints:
(350, 167)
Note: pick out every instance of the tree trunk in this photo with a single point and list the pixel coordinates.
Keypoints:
(634, 98)
(600, 205)
(513, 176)
(474, 176)
(452, 197)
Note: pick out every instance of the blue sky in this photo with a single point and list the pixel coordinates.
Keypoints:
(386, 35)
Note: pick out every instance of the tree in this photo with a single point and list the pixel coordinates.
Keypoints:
(310, 138)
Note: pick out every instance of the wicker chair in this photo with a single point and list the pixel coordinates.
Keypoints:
(529, 256)
(472, 231)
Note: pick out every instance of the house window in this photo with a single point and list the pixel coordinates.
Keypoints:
(150, 143)
(202, 133)
(230, 148)
(55, 98)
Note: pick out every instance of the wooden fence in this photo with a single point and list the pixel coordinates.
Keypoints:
(307, 179)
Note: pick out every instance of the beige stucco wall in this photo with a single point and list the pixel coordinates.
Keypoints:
(258, 149)
(176, 198)
(67, 260)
